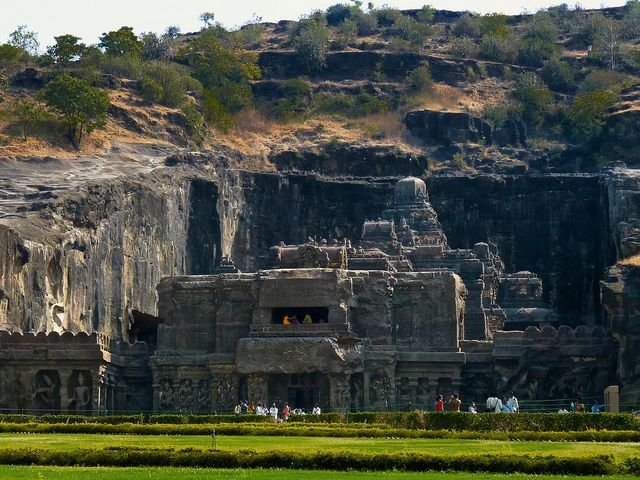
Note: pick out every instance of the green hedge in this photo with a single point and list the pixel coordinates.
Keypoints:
(317, 430)
(338, 460)
(540, 422)
(419, 420)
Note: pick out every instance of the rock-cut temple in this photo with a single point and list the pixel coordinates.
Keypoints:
(393, 319)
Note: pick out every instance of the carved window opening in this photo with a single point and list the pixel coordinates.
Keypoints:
(298, 314)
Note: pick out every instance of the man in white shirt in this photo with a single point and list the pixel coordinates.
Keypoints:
(494, 405)
(512, 403)
(273, 411)
(316, 410)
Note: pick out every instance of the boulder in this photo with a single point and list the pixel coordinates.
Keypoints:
(446, 128)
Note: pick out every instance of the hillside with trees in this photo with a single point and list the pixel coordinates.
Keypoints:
(556, 89)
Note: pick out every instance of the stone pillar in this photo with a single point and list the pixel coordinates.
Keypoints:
(65, 376)
(456, 384)
(612, 399)
(433, 392)
(95, 388)
(365, 390)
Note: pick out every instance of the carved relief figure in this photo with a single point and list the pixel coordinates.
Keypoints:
(185, 395)
(340, 394)
(422, 390)
(403, 390)
(203, 395)
(166, 395)
(224, 392)
(257, 388)
(81, 397)
(380, 389)
(46, 392)
(356, 391)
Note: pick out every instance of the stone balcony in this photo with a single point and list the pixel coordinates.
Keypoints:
(301, 330)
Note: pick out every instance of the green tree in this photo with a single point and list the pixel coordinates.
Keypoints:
(25, 39)
(588, 114)
(467, 26)
(121, 42)
(426, 14)
(154, 47)
(11, 57)
(66, 49)
(225, 74)
(420, 79)
(28, 112)
(207, 18)
(367, 23)
(559, 75)
(533, 95)
(539, 40)
(338, 13)
(494, 24)
(631, 19)
(82, 107)
(497, 48)
(311, 42)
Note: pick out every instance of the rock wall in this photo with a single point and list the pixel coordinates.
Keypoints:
(85, 262)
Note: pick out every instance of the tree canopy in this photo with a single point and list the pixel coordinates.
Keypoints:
(82, 107)
(66, 49)
(121, 42)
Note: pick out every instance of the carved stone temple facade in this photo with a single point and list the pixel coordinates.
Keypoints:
(393, 320)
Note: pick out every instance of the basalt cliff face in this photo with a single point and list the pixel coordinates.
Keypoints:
(88, 258)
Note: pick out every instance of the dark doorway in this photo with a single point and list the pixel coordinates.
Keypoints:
(299, 314)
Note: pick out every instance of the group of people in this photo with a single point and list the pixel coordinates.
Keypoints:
(493, 404)
(293, 320)
(260, 408)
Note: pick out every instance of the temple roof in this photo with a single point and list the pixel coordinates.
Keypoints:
(410, 191)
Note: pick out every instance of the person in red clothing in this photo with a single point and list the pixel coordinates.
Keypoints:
(439, 404)
(286, 411)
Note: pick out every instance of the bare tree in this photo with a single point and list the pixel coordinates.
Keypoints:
(607, 43)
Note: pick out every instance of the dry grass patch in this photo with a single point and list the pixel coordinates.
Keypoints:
(633, 261)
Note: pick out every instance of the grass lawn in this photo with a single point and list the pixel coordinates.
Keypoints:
(154, 473)
(69, 442)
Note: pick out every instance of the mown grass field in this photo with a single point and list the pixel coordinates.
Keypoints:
(169, 473)
(68, 442)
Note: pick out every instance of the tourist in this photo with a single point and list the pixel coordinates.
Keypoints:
(238, 409)
(244, 407)
(285, 320)
(494, 404)
(473, 408)
(454, 403)
(307, 319)
(251, 409)
(316, 409)
(504, 406)
(513, 404)
(273, 411)
(439, 404)
(261, 410)
(580, 405)
(286, 411)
